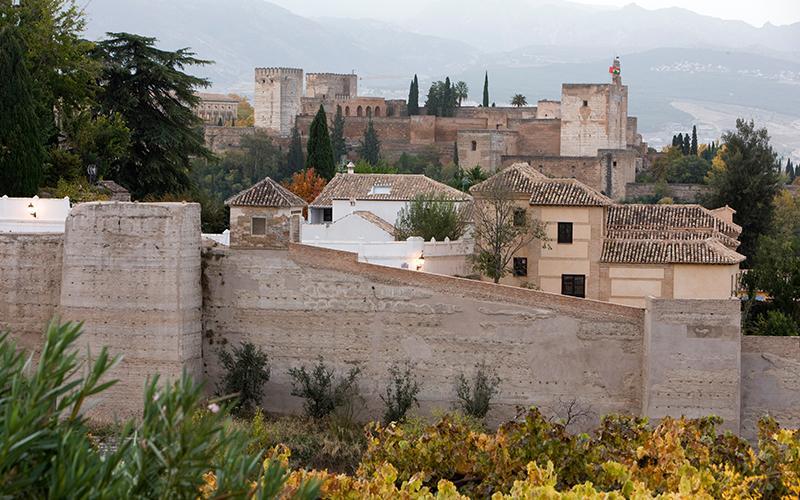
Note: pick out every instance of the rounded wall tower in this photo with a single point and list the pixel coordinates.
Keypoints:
(277, 98)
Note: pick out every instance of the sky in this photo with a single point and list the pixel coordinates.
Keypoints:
(755, 12)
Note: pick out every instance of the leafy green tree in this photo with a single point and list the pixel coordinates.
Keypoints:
(413, 97)
(401, 392)
(688, 169)
(693, 145)
(746, 177)
(486, 90)
(321, 389)
(337, 135)
(148, 88)
(294, 157)
(370, 147)
(460, 91)
(519, 100)
(320, 150)
(476, 393)
(22, 153)
(441, 100)
(246, 371)
(430, 217)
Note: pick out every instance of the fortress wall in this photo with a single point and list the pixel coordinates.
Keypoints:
(131, 272)
(30, 284)
(585, 169)
(548, 349)
(770, 381)
(447, 128)
(223, 139)
(686, 193)
(538, 137)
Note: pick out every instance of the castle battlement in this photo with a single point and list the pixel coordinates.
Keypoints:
(277, 71)
(332, 74)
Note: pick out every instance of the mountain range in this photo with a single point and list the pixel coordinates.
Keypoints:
(680, 66)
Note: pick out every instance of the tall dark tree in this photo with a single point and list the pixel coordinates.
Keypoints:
(693, 145)
(413, 97)
(337, 135)
(674, 140)
(679, 142)
(448, 99)
(687, 145)
(21, 140)
(797, 171)
(148, 88)
(455, 153)
(748, 182)
(790, 170)
(320, 150)
(370, 148)
(294, 157)
(486, 90)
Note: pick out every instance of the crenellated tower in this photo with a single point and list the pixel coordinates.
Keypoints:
(277, 98)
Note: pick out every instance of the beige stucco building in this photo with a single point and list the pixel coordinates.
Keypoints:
(618, 253)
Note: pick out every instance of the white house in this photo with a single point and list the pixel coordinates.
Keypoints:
(33, 215)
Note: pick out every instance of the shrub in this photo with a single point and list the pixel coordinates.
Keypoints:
(401, 392)
(475, 395)
(775, 323)
(46, 450)
(246, 372)
(320, 389)
(430, 217)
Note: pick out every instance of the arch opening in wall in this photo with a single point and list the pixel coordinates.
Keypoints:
(474, 145)
(359, 111)
(369, 111)
(377, 111)
(347, 111)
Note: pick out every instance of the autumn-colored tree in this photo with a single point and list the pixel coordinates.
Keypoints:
(307, 185)
(245, 114)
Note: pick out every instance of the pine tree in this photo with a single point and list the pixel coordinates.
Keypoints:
(455, 153)
(337, 135)
(790, 174)
(693, 146)
(687, 146)
(320, 150)
(294, 158)
(679, 141)
(21, 150)
(413, 97)
(486, 90)
(370, 148)
(797, 171)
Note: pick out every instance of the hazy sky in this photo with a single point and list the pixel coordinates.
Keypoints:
(755, 12)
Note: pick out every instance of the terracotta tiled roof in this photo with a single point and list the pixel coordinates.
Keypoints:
(393, 187)
(543, 190)
(374, 219)
(669, 234)
(708, 251)
(667, 218)
(266, 193)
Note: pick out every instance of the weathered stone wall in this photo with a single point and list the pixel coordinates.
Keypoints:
(486, 148)
(223, 139)
(277, 98)
(30, 284)
(310, 301)
(331, 85)
(770, 381)
(682, 193)
(538, 137)
(131, 272)
(280, 228)
(585, 169)
(692, 359)
(593, 116)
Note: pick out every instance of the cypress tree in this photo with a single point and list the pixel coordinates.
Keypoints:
(790, 170)
(486, 90)
(21, 152)
(337, 135)
(320, 150)
(674, 140)
(370, 149)
(455, 153)
(448, 102)
(687, 146)
(797, 171)
(679, 141)
(693, 149)
(295, 155)
(413, 97)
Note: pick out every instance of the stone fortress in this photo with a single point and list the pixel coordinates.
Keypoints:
(587, 135)
(148, 288)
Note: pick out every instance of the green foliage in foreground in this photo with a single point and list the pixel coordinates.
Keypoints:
(430, 217)
(46, 450)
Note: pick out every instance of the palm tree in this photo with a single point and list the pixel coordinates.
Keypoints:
(460, 91)
(519, 100)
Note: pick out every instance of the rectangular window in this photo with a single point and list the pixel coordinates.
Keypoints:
(519, 217)
(327, 215)
(258, 226)
(520, 266)
(585, 103)
(565, 232)
(573, 284)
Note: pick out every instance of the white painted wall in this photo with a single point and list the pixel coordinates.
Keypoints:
(445, 257)
(385, 209)
(16, 216)
(350, 228)
(223, 238)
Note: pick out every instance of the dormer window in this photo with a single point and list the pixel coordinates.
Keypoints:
(380, 190)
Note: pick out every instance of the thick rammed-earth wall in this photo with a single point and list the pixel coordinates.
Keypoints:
(311, 302)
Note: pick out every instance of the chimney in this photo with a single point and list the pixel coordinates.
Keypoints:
(351, 169)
